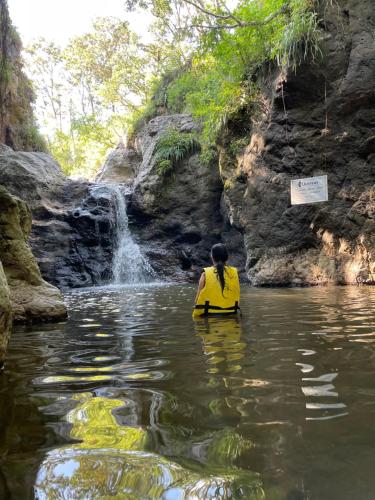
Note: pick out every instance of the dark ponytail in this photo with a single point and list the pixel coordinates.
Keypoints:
(219, 255)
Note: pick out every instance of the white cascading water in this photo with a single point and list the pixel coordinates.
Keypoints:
(129, 265)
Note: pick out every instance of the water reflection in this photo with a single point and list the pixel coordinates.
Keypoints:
(222, 344)
(316, 388)
(111, 460)
(146, 402)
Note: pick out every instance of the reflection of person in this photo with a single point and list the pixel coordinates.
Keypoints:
(222, 343)
(219, 286)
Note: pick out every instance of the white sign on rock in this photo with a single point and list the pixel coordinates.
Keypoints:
(309, 190)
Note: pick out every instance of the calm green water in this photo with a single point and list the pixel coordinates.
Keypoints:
(132, 399)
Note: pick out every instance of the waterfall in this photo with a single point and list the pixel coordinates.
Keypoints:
(129, 265)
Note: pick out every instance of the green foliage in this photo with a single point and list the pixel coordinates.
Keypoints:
(6, 72)
(86, 89)
(205, 61)
(154, 105)
(173, 146)
(16, 94)
(5, 41)
(178, 90)
(301, 37)
(109, 62)
(220, 79)
(237, 146)
(157, 104)
(140, 116)
(82, 151)
(163, 167)
(208, 154)
(15, 36)
(32, 139)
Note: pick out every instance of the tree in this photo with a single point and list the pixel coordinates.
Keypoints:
(108, 66)
(46, 68)
(227, 47)
(205, 15)
(85, 90)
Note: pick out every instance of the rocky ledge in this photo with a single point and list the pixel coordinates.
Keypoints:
(32, 299)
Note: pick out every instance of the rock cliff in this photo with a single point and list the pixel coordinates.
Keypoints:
(120, 166)
(316, 120)
(319, 120)
(17, 125)
(176, 218)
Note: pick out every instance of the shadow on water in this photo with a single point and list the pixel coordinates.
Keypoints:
(132, 399)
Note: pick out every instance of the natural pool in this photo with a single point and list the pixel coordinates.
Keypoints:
(132, 399)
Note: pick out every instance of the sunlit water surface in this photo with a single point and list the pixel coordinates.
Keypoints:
(132, 399)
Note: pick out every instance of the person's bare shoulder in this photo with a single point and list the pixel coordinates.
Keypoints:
(202, 280)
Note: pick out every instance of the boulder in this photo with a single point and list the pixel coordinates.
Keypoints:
(31, 176)
(32, 299)
(120, 166)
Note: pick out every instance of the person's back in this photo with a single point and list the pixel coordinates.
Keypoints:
(219, 288)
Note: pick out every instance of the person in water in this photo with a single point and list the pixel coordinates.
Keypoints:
(219, 286)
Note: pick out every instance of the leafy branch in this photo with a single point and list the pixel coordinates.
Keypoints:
(237, 23)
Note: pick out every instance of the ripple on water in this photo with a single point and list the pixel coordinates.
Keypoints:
(131, 397)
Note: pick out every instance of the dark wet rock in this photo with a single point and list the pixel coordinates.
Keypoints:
(73, 241)
(177, 218)
(73, 222)
(328, 128)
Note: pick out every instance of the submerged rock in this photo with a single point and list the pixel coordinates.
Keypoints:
(32, 299)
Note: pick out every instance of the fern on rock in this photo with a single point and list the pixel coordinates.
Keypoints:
(172, 147)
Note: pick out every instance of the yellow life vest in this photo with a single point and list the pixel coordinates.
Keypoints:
(212, 300)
